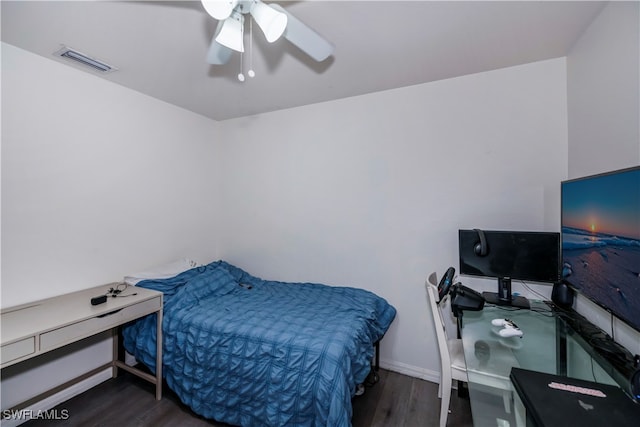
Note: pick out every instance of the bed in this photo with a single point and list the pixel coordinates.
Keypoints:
(252, 352)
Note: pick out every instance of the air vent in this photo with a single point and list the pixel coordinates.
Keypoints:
(84, 60)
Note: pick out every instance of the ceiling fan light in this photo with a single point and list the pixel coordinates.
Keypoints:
(231, 34)
(271, 22)
(218, 54)
(219, 9)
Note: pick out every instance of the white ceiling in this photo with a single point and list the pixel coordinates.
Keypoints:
(159, 47)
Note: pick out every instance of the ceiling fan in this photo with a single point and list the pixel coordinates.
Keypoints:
(273, 20)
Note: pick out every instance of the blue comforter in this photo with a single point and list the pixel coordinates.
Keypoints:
(250, 352)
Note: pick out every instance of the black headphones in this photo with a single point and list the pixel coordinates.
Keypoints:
(481, 248)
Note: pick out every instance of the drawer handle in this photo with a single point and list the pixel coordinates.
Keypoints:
(110, 313)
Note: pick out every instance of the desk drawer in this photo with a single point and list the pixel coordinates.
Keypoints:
(17, 349)
(85, 328)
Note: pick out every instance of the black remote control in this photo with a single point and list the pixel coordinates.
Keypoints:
(99, 300)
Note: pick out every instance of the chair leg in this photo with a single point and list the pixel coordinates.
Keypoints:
(444, 407)
(445, 397)
(506, 398)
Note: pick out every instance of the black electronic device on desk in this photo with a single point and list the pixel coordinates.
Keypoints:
(552, 400)
(462, 297)
(445, 284)
(507, 255)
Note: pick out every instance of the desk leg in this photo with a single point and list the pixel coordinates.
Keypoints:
(154, 379)
(159, 355)
(519, 411)
(561, 347)
(115, 336)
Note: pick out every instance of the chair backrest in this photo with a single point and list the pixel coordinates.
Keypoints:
(438, 323)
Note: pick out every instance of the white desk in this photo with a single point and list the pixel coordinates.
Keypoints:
(35, 328)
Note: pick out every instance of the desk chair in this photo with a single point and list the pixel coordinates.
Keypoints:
(453, 366)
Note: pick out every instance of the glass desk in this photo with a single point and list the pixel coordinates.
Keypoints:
(546, 346)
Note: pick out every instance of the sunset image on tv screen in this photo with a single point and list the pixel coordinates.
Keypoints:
(601, 240)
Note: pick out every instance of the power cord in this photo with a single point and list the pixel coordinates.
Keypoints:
(593, 370)
(613, 333)
(531, 290)
(112, 292)
(118, 290)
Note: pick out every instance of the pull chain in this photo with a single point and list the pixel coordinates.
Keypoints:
(240, 75)
(251, 73)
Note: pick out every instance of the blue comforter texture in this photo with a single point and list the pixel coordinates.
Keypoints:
(252, 352)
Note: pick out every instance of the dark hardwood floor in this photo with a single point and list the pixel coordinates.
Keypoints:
(396, 400)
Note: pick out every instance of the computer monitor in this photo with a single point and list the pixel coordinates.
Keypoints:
(510, 255)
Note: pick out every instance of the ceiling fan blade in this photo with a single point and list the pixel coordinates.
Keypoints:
(219, 9)
(218, 54)
(304, 37)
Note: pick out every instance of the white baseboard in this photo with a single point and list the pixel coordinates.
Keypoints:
(58, 398)
(412, 371)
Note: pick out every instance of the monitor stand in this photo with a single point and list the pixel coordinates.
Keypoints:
(504, 297)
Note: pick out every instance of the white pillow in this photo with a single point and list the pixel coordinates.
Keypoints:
(164, 271)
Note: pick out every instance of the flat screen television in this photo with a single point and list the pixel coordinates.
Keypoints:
(601, 240)
(506, 255)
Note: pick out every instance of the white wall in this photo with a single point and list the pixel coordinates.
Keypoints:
(97, 181)
(370, 191)
(603, 71)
